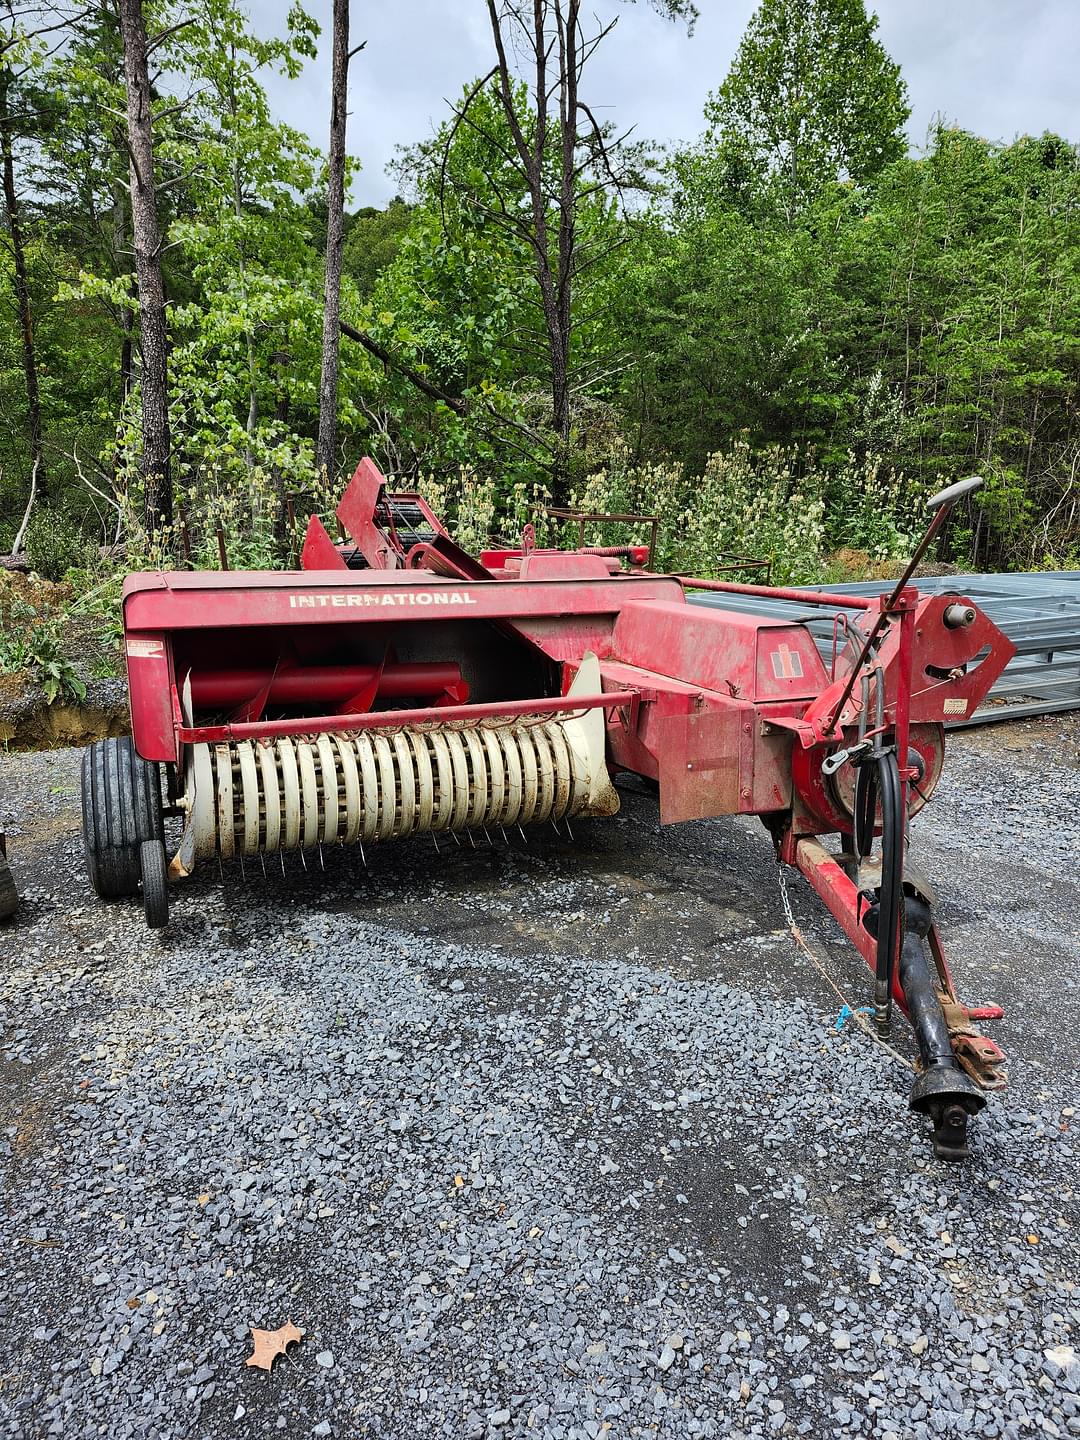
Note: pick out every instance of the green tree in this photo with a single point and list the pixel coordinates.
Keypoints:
(245, 243)
(458, 305)
(373, 237)
(728, 310)
(20, 116)
(561, 159)
(968, 264)
(811, 97)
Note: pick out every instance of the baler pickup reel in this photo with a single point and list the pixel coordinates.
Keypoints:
(398, 686)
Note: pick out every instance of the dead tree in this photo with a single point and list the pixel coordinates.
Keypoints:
(326, 444)
(563, 157)
(22, 287)
(154, 464)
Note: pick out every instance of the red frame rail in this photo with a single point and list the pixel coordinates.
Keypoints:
(388, 719)
(778, 592)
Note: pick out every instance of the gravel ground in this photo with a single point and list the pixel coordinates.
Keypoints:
(558, 1140)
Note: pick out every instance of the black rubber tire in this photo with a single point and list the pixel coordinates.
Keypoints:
(121, 800)
(155, 884)
(9, 896)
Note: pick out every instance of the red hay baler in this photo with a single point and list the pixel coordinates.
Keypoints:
(396, 685)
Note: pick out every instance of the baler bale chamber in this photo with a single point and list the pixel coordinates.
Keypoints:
(397, 686)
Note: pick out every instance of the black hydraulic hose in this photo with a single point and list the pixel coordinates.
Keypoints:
(866, 796)
(892, 883)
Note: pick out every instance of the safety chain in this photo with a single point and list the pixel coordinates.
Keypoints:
(800, 941)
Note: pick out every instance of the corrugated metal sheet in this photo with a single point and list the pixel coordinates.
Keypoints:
(1040, 613)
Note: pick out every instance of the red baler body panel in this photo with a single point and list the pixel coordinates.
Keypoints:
(728, 712)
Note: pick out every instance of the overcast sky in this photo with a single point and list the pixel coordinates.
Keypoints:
(998, 67)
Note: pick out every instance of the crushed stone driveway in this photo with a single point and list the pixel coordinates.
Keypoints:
(558, 1139)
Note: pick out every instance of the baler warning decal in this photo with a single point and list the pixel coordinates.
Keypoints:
(142, 649)
(786, 663)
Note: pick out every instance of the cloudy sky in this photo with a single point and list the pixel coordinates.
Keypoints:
(998, 67)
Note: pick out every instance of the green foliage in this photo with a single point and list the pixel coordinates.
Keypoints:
(456, 305)
(373, 239)
(811, 97)
(768, 505)
(479, 512)
(54, 543)
(800, 334)
(33, 645)
(929, 317)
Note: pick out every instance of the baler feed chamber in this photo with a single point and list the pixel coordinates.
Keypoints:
(319, 671)
(306, 735)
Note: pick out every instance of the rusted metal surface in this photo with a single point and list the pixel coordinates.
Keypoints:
(581, 518)
(981, 1057)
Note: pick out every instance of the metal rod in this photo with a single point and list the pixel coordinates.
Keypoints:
(945, 502)
(775, 592)
(389, 719)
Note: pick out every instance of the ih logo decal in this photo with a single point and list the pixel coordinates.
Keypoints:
(786, 663)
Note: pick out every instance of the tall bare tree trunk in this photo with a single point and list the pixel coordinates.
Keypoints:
(127, 326)
(566, 52)
(146, 233)
(326, 446)
(282, 361)
(22, 291)
(571, 61)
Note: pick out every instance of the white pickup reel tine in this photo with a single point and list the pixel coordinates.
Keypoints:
(290, 793)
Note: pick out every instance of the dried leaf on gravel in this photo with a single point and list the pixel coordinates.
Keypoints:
(269, 1344)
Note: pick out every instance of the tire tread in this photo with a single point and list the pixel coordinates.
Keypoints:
(121, 796)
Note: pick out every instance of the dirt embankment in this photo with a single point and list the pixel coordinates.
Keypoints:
(43, 624)
(29, 722)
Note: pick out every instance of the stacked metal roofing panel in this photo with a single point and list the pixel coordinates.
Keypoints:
(1040, 613)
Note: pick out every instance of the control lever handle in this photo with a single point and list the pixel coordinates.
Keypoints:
(952, 493)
